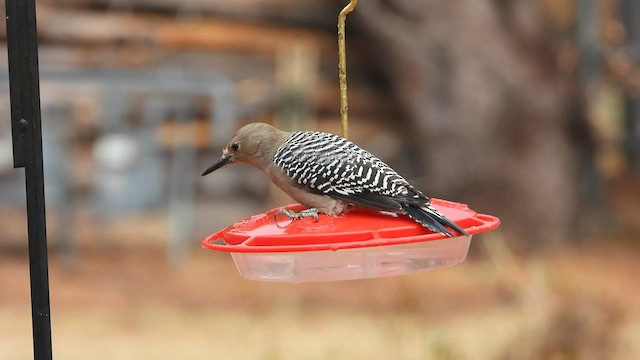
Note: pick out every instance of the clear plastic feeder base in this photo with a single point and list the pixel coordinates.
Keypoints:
(362, 244)
(349, 264)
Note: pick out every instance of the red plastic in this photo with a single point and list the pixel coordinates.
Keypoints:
(360, 228)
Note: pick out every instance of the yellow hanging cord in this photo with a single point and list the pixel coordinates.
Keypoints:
(342, 67)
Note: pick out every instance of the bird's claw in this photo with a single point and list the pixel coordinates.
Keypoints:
(308, 213)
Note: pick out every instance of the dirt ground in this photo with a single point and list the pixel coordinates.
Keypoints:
(127, 303)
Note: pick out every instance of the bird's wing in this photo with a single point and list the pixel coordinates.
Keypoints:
(334, 166)
(369, 200)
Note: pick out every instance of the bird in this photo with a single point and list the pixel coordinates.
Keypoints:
(329, 174)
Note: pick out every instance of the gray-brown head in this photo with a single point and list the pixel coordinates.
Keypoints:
(254, 144)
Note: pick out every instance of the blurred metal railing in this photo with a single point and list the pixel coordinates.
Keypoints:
(129, 171)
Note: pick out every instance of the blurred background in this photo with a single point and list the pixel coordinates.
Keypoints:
(527, 110)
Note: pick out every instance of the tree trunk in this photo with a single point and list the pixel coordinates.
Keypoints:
(488, 107)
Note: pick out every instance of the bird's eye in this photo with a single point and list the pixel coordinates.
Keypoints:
(235, 146)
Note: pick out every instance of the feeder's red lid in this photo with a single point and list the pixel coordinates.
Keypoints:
(358, 229)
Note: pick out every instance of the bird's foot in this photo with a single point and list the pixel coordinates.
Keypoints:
(308, 213)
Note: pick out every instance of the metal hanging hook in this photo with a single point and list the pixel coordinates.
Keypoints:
(342, 66)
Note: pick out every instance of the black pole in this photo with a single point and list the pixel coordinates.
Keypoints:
(22, 46)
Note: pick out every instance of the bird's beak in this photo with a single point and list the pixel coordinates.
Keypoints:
(222, 161)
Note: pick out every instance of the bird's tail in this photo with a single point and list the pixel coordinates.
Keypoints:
(433, 220)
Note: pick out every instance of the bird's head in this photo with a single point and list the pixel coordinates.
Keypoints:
(253, 144)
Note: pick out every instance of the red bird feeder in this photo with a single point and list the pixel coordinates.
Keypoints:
(362, 244)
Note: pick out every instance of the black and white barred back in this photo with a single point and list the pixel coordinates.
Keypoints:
(334, 166)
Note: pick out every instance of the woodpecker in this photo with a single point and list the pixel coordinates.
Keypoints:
(328, 174)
